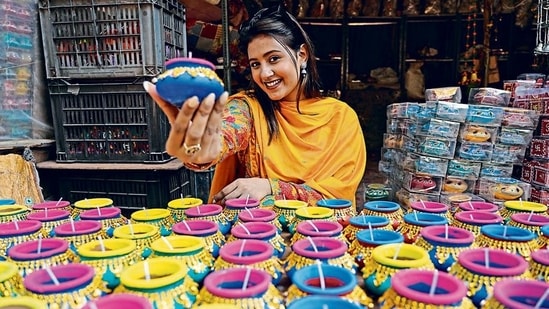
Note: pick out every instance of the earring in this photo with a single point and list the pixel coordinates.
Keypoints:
(303, 71)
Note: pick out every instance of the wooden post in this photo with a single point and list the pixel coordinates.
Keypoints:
(487, 15)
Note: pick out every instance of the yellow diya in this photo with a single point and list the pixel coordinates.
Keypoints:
(163, 281)
(160, 217)
(14, 212)
(109, 257)
(21, 302)
(311, 213)
(513, 207)
(11, 282)
(178, 206)
(90, 203)
(141, 233)
(285, 211)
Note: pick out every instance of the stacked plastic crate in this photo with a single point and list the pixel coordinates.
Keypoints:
(97, 55)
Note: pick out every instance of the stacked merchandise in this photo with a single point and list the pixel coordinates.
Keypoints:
(450, 152)
(97, 55)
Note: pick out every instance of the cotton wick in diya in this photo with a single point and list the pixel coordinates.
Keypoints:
(16, 224)
(312, 243)
(321, 274)
(147, 270)
(72, 225)
(248, 210)
(98, 211)
(131, 227)
(530, 215)
(58, 202)
(446, 231)
(39, 249)
(246, 278)
(313, 225)
(486, 258)
(167, 242)
(51, 274)
(101, 243)
(434, 283)
(397, 252)
(371, 231)
(241, 250)
(186, 225)
(471, 205)
(422, 204)
(542, 299)
(245, 228)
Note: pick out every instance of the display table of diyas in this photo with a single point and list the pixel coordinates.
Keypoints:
(178, 206)
(91, 203)
(16, 232)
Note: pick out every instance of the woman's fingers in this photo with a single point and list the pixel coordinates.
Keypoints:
(180, 128)
(170, 110)
(210, 135)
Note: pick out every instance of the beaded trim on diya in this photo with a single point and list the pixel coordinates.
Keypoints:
(7, 242)
(296, 220)
(442, 253)
(113, 222)
(198, 263)
(272, 299)
(274, 222)
(73, 298)
(390, 299)
(289, 214)
(220, 218)
(115, 264)
(506, 213)
(48, 226)
(12, 286)
(298, 236)
(276, 241)
(522, 248)
(382, 272)
(349, 232)
(493, 303)
(538, 270)
(475, 282)
(164, 298)
(345, 212)
(28, 266)
(142, 243)
(475, 229)
(532, 228)
(272, 266)
(357, 250)
(78, 240)
(211, 241)
(409, 231)
(392, 216)
(357, 295)
(15, 217)
(295, 261)
(166, 222)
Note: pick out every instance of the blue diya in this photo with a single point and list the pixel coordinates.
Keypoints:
(188, 77)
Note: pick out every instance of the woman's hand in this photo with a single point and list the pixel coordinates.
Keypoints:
(256, 188)
(195, 135)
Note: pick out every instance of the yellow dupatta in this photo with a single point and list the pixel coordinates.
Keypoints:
(322, 147)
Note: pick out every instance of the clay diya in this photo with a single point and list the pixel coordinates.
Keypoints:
(519, 294)
(21, 302)
(327, 280)
(328, 250)
(364, 222)
(512, 207)
(285, 211)
(414, 288)
(481, 268)
(431, 208)
(163, 281)
(121, 300)
(109, 258)
(241, 287)
(543, 238)
(343, 209)
(313, 213)
(142, 234)
(9, 213)
(414, 222)
(318, 301)
(387, 260)
(185, 78)
(259, 215)
(532, 222)
(366, 240)
(178, 206)
(387, 209)
(190, 251)
(234, 206)
(32, 255)
(16, 232)
(11, 282)
(71, 285)
(509, 238)
(212, 212)
(539, 265)
(90, 203)
(473, 220)
(262, 231)
(50, 219)
(6, 201)
(444, 244)
(110, 218)
(205, 229)
(50, 205)
(477, 206)
(79, 232)
(318, 228)
(250, 253)
(159, 217)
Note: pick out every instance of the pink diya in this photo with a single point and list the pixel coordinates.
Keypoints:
(90, 203)
(519, 294)
(50, 218)
(318, 228)
(80, 232)
(234, 206)
(31, 255)
(206, 229)
(417, 288)
(477, 206)
(532, 222)
(50, 205)
(259, 215)
(71, 285)
(177, 207)
(110, 218)
(120, 300)
(242, 287)
(261, 231)
(432, 208)
(16, 232)
(212, 212)
(539, 265)
(473, 220)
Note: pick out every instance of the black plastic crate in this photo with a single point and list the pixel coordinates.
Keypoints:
(200, 183)
(111, 38)
(130, 186)
(107, 122)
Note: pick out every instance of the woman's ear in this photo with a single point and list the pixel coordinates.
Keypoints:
(303, 53)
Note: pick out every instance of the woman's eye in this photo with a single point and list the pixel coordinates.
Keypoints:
(274, 59)
(254, 64)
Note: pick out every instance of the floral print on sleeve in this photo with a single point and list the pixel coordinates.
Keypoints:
(291, 191)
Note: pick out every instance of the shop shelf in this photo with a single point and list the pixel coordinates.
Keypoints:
(110, 38)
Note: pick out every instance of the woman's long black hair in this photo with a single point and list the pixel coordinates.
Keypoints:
(284, 28)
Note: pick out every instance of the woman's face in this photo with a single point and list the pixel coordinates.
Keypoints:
(273, 69)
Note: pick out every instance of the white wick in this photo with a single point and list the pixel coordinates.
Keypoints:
(167, 243)
(131, 227)
(313, 225)
(186, 225)
(246, 278)
(321, 275)
(486, 258)
(72, 225)
(39, 249)
(147, 271)
(446, 231)
(245, 228)
(312, 243)
(247, 200)
(397, 252)
(542, 299)
(434, 283)
(57, 204)
(101, 243)
(16, 224)
(249, 211)
(51, 274)
(371, 231)
(241, 251)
